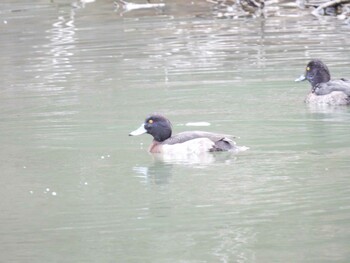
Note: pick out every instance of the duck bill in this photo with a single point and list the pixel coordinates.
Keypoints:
(301, 78)
(139, 131)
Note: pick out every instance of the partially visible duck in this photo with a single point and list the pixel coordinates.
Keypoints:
(238, 8)
(190, 141)
(323, 89)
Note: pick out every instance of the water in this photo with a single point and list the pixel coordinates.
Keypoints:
(76, 78)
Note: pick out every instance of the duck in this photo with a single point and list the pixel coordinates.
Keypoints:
(238, 8)
(323, 89)
(193, 142)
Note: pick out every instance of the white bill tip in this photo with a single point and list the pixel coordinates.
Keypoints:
(139, 131)
(301, 78)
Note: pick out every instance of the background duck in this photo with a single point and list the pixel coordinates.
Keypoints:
(190, 141)
(323, 89)
(238, 8)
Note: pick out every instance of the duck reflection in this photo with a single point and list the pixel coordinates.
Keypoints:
(157, 173)
(334, 112)
(163, 166)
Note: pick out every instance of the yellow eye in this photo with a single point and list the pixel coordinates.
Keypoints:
(150, 121)
(308, 68)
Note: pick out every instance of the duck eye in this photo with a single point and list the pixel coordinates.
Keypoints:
(307, 68)
(150, 121)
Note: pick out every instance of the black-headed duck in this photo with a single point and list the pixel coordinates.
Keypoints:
(190, 141)
(323, 89)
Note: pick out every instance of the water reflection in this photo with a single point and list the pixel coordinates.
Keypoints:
(162, 167)
(157, 173)
(61, 49)
(130, 6)
(82, 3)
(337, 111)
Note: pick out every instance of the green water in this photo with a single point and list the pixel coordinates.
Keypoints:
(77, 78)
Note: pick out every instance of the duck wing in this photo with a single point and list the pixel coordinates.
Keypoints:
(333, 85)
(224, 144)
(191, 135)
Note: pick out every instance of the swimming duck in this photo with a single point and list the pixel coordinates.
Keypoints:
(190, 141)
(323, 89)
(237, 8)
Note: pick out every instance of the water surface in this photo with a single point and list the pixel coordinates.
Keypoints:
(77, 77)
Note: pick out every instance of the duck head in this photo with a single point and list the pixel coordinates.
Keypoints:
(156, 125)
(316, 72)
